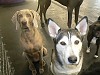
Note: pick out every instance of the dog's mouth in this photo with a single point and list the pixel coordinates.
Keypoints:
(25, 28)
(73, 63)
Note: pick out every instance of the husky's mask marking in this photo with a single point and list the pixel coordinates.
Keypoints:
(67, 57)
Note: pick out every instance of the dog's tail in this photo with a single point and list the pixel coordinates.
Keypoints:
(38, 5)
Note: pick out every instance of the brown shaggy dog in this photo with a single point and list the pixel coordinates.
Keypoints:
(30, 38)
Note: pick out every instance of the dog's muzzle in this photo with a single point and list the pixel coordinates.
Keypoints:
(72, 59)
(24, 25)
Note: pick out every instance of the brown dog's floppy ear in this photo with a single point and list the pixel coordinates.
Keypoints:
(14, 20)
(36, 17)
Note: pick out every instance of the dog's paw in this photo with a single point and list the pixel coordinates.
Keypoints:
(88, 50)
(95, 56)
(41, 70)
(34, 72)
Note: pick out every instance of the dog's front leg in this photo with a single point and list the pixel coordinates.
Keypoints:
(97, 43)
(96, 54)
(31, 65)
(44, 54)
(41, 63)
(89, 39)
(32, 68)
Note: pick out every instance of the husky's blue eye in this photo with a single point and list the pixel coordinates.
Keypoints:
(76, 42)
(62, 43)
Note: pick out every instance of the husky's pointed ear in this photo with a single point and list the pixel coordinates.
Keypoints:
(53, 28)
(15, 20)
(82, 25)
(36, 18)
(99, 18)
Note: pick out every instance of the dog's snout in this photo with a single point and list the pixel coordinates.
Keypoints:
(72, 59)
(24, 25)
(24, 22)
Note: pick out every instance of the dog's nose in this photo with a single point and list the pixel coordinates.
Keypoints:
(24, 22)
(72, 59)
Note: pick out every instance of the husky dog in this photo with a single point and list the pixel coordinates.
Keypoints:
(67, 57)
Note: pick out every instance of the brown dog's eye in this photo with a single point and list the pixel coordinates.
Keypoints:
(28, 15)
(20, 15)
(76, 42)
(62, 43)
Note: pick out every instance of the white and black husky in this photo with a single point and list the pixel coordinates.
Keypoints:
(67, 57)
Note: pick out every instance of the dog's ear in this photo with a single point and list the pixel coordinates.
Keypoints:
(36, 17)
(99, 18)
(82, 25)
(53, 28)
(15, 20)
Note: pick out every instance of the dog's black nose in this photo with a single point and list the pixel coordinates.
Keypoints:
(24, 22)
(72, 59)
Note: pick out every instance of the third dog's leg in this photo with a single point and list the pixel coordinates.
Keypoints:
(96, 54)
(97, 43)
(77, 11)
(88, 48)
(89, 38)
(47, 4)
(38, 5)
(41, 12)
(76, 14)
(70, 10)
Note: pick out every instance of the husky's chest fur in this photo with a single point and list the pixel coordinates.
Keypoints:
(70, 70)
